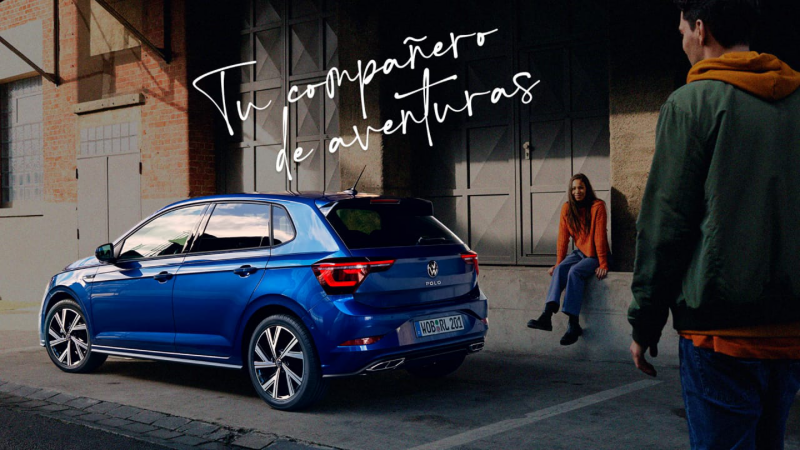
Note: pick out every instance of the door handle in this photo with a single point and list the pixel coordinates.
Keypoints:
(162, 277)
(527, 148)
(245, 271)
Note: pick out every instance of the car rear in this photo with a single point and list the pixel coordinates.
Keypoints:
(406, 296)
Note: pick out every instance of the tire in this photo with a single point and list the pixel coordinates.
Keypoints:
(295, 381)
(439, 368)
(67, 340)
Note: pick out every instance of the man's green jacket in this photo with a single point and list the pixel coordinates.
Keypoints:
(718, 235)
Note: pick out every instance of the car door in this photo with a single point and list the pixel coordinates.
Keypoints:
(218, 277)
(131, 300)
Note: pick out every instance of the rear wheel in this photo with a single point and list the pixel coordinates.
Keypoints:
(67, 339)
(439, 368)
(283, 364)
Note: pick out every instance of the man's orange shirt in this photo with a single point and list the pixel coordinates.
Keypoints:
(592, 242)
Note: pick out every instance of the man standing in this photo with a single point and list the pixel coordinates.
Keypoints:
(718, 239)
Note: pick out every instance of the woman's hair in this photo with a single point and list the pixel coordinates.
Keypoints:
(576, 222)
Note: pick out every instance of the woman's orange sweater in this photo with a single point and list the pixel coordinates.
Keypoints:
(593, 243)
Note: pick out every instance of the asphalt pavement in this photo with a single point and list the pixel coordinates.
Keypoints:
(24, 430)
(495, 401)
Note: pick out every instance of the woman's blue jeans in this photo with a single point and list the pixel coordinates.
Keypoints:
(571, 275)
(735, 403)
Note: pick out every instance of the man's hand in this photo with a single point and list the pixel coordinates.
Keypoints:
(550, 270)
(637, 351)
(601, 273)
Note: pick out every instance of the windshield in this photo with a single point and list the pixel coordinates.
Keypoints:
(376, 226)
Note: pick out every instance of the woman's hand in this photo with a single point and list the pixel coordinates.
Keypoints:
(550, 270)
(601, 273)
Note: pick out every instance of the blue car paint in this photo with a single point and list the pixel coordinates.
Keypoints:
(132, 310)
(71, 285)
(206, 327)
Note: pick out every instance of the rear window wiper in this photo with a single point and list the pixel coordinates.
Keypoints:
(430, 240)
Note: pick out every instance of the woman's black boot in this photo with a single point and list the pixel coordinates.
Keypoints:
(574, 330)
(544, 321)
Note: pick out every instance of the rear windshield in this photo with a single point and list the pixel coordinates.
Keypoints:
(376, 226)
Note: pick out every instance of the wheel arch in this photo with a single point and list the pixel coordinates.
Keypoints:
(264, 307)
(56, 295)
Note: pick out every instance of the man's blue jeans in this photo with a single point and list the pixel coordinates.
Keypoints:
(571, 274)
(734, 403)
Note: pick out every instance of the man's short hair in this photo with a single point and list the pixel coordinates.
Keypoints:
(731, 22)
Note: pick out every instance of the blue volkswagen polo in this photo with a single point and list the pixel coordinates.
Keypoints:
(296, 288)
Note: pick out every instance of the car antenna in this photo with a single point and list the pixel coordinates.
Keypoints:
(352, 191)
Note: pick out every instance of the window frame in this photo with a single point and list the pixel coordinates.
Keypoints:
(272, 226)
(120, 243)
(201, 225)
(207, 218)
(33, 207)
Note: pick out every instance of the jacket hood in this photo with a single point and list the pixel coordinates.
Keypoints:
(760, 74)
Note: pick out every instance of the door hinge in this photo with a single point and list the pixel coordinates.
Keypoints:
(140, 167)
(76, 173)
(79, 233)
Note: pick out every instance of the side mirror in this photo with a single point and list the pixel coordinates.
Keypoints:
(105, 253)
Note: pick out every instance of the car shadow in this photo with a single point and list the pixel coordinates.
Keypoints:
(485, 377)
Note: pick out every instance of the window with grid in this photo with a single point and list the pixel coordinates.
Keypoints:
(21, 149)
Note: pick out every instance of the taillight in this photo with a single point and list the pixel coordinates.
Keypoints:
(362, 341)
(344, 277)
(471, 258)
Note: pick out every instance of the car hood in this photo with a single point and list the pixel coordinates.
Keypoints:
(84, 262)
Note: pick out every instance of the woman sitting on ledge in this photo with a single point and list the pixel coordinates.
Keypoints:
(583, 218)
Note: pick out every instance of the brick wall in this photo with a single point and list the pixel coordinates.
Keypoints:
(58, 121)
(176, 163)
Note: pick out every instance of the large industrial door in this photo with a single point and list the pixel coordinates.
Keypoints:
(294, 43)
(500, 179)
(109, 184)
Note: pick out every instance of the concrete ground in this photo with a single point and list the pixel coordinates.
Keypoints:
(495, 401)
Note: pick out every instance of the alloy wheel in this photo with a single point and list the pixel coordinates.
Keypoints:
(69, 338)
(279, 362)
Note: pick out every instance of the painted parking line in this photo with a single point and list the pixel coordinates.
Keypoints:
(535, 416)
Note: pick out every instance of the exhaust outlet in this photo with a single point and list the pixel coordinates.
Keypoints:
(386, 365)
(478, 346)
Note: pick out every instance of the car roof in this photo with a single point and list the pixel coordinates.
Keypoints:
(310, 197)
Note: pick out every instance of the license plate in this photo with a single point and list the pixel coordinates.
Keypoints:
(439, 325)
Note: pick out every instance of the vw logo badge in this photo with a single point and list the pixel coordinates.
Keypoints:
(433, 269)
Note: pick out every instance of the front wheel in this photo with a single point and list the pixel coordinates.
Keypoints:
(67, 340)
(283, 364)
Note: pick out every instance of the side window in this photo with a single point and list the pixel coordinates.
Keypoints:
(164, 235)
(282, 230)
(234, 226)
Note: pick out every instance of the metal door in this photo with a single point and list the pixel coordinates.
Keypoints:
(92, 204)
(214, 285)
(499, 177)
(131, 300)
(109, 183)
(293, 43)
(564, 131)
(124, 194)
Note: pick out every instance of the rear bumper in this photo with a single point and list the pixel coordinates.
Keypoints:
(419, 357)
(344, 320)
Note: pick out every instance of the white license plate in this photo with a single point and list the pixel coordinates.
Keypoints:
(439, 325)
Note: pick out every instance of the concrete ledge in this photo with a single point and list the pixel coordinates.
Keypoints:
(516, 294)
